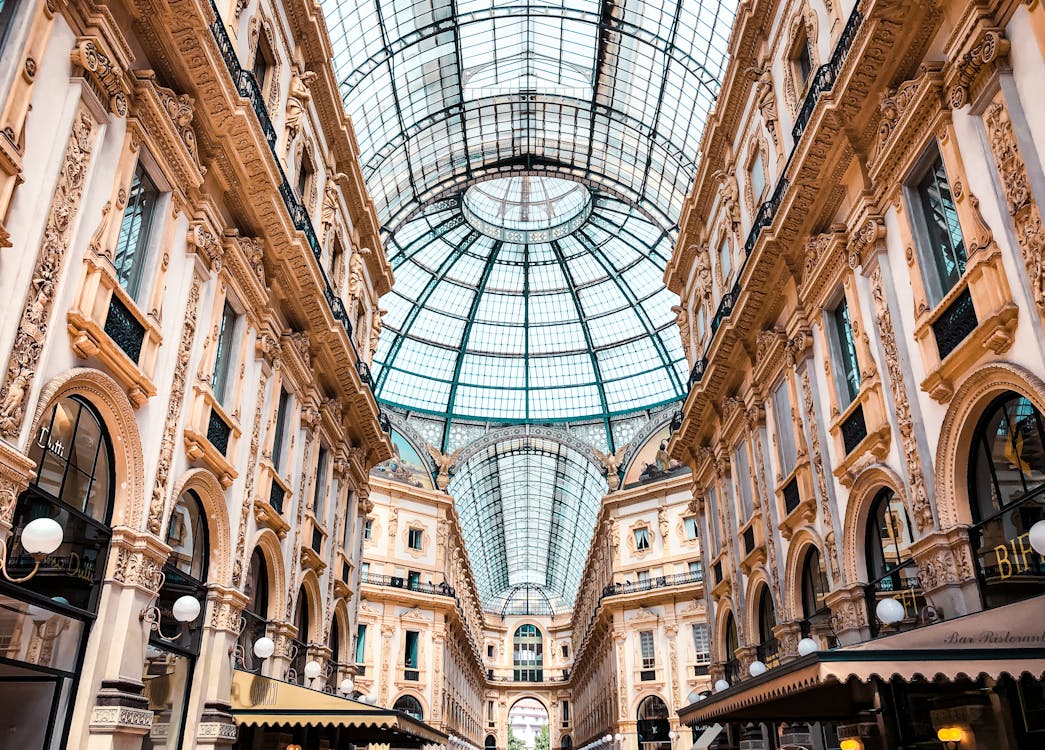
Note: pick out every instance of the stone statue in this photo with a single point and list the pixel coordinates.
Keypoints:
(375, 331)
(297, 99)
(443, 461)
(611, 463)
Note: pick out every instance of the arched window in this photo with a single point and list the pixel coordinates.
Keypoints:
(732, 666)
(169, 661)
(490, 743)
(255, 614)
(296, 672)
(890, 568)
(566, 743)
(528, 654)
(653, 725)
(410, 706)
(334, 672)
(1006, 497)
(73, 485)
(767, 646)
(815, 613)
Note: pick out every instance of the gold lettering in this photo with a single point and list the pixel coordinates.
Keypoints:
(1024, 549)
(1001, 554)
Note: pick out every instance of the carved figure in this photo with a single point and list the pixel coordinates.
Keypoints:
(729, 191)
(611, 463)
(355, 279)
(682, 319)
(375, 332)
(297, 99)
(443, 462)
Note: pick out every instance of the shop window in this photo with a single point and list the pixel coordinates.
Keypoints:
(653, 724)
(224, 356)
(169, 662)
(1007, 497)
(410, 706)
(890, 568)
(642, 540)
(938, 234)
(136, 230)
(528, 654)
(847, 368)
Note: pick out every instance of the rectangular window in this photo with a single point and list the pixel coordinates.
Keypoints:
(701, 646)
(8, 8)
(742, 468)
(368, 529)
(649, 659)
(360, 643)
(691, 528)
(489, 654)
(565, 713)
(725, 262)
(413, 579)
(641, 539)
(643, 575)
(223, 364)
(565, 651)
(410, 650)
(132, 247)
(758, 176)
(282, 415)
(787, 451)
(941, 246)
(489, 710)
(305, 171)
(415, 539)
(712, 501)
(364, 569)
(262, 64)
(696, 569)
(320, 487)
(803, 59)
(848, 368)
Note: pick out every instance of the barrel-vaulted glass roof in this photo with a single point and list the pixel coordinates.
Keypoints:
(528, 162)
(528, 507)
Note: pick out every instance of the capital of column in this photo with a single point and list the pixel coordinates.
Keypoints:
(849, 614)
(16, 471)
(137, 559)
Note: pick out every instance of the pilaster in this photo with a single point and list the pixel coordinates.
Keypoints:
(849, 614)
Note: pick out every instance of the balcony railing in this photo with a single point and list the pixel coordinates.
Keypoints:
(218, 432)
(248, 88)
(854, 429)
(823, 82)
(955, 324)
(395, 582)
(657, 582)
(125, 329)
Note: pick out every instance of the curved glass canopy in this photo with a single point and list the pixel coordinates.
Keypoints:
(528, 508)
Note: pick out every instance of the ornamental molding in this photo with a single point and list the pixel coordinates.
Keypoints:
(248, 498)
(108, 719)
(96, 63)
(973, 63)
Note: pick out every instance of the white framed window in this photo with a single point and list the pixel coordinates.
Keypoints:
(843, 354)
(787, 450)
(692, 527)
(757, 175)
(415, 539)
(938, 234)
(642, 540)
(224, 356)
(133, 246)
(647, 650)
(280, 438)
(742, 472)
(320, 486)
(701, 644)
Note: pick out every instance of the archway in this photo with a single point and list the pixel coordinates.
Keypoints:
(653, 725)
(528, 725)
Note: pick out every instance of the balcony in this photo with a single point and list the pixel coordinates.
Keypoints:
(396, 582)
(657, 582)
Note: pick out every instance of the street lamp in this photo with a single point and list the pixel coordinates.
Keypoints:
(312, 671)
(186, 609)
(807, 646)
(40, 538)
(346, 687)
(721, 685)
(757, 668)
(890, 611)
(1036, 535)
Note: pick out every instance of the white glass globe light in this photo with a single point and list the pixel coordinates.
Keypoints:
(42, 536)
(312, 670)
(264, 647)
(807, 646)
(757, 668)
(694, 697)
(346, 686)
(673, 735)
(619, 737)
(607, 739)
(889, 611)
(1037, 537)
(720, 685)
(186, 608)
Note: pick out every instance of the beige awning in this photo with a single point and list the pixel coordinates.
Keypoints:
(834, 684)
(265, 702)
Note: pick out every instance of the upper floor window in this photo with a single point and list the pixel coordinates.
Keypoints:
(264, 62)
(701, 644)
(787, 450)
(642, 540)
(565, 713)
(802, 58)
(742, 470)
(320, 487)
(368, 529)
(8, 8)
(725, 262)
(565, 651)
(223, 357)
(413, 579)
(712, 514)
(757, 173)
(844, 344)
(132, 247)
(696, 568)
(938, 233)
(647, 649)
(702, 322)
(691, 528)
(528, 654)
(643, 575)
(360, 643)
(415, 539)
(306, 170)
(280, 437)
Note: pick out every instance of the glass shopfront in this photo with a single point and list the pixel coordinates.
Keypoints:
(45, 621)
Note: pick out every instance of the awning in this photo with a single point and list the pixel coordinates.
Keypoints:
(265, 702)
(835, 684)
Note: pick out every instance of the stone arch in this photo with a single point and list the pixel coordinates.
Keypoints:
(758, 584)
(724, 609)
(316, 612)
(219, 530)
(114, 408)
(642, 696)
(963, 413)
(797, 550)
(272, 552)
(340, 614)
(862, 494)
(419, 697)
(532, 696)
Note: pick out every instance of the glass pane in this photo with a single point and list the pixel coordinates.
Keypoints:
(850, 367)
(223, 355)
(133, 243)
(166, 678)
(946, 245)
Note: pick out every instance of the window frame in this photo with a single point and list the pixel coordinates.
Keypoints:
(645, 542)
(691, 523)
(280, 434)
(142, 260)
(844, 352)
(418, 533)
(647, 650)
(224, 357)
(319, 485)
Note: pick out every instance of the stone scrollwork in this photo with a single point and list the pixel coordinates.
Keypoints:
(1019, 200)
(991, 46)
(816, 454)
(33, 327)
(248, 490)
(104, 74)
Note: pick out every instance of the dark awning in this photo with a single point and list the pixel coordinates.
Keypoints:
(835, 684)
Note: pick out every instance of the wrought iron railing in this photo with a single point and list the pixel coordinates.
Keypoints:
(903, 584)
(792, 497)
(247, 86)
(276, 496)
(854, 429)
(824, 80)
(955, 324)
(218, 432)
(396, 582)
(125, 329)
(768, 652)
(253, 627)
(657, 582)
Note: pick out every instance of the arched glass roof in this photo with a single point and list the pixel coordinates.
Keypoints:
(527, 507)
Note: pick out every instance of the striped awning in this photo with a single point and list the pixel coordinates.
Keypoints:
(265, 702)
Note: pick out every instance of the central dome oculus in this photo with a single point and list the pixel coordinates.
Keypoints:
(527, 208)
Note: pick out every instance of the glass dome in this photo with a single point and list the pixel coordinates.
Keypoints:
(527, 208)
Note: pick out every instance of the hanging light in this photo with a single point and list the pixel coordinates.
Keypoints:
(757, 668)
(890, 611)
(721, 685)
(264, 647)
(1036, 535)
(807, 646)
(40, 538)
